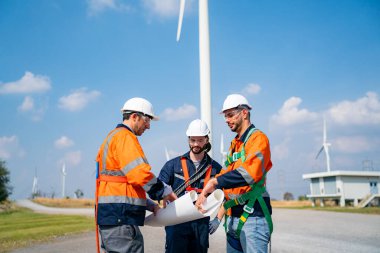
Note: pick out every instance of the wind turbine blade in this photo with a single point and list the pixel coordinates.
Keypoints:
(320, 151)
(324, 131)
(221, 144)
(167, 154)
(64, 169)
(181, 11)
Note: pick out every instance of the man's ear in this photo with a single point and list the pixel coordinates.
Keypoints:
(134, 116)
(245, 113)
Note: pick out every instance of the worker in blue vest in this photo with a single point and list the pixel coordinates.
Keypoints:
(185, 173)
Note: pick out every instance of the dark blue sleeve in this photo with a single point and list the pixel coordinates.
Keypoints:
(231, 179)
(166, 176)
(156, 190)
(216, 166)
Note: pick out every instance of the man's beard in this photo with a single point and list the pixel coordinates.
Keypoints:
(200, 150)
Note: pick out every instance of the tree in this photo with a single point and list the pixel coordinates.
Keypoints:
(5, 188)
(302, 198)
(288, 196)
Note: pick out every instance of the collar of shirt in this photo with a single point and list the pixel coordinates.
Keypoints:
(125, 126)
(243, 136)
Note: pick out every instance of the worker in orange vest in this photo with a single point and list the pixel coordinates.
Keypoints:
(248, 220)
(123, 178)
(185, 173)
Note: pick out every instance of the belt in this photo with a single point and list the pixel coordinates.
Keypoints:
(237, 211)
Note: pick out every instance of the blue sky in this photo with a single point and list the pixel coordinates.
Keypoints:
(67, 67)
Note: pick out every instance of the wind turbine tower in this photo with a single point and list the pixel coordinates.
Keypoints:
(204, 61)
(325, 146)
(35, 186)
(63, 179)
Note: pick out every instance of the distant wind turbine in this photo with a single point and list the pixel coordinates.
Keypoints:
(35, 184)
(63, 179)
(204, 61)
(167, 154)
(325, 146)
(222, 152)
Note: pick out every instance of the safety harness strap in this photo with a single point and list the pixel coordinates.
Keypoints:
(237, 155)
(188, 181)
(254, 194)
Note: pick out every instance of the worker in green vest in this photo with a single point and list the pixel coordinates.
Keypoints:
(248, 210)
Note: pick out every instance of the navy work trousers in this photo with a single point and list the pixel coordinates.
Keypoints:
(189, 237)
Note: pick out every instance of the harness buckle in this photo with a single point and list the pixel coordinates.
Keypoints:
(248, 209)
(240, 200)
(235, 156)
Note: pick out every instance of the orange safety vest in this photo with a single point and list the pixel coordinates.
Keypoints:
(256, 164)
(123, 178)
(186, 176)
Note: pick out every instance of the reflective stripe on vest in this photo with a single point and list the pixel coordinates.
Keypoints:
(186, 175)
(121, 200)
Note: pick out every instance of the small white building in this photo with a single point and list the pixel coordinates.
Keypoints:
(361, 187)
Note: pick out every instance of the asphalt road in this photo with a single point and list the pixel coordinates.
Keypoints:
(294, 231)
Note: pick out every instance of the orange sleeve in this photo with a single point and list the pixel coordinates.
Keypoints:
(258, 156)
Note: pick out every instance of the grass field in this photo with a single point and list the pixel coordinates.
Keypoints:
(72, 203)
(21, 227)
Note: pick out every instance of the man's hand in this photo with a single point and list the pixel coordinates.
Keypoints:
(169, 198)
(152, 206)
(155, 209)
(209, 188)
(213, 225)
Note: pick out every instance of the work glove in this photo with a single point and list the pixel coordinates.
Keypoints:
(213, 225)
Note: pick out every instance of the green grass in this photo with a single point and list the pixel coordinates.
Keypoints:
(22, 227)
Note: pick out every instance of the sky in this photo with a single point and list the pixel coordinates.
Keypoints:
(68, 66)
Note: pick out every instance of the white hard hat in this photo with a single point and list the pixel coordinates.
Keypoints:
(139, 105)
(197, 128)
(235, 100)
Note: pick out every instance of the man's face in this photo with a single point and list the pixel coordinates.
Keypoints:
(196, 143)
(141, 123)
(233, 119)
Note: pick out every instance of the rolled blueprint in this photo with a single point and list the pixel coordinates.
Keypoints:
(183, 210)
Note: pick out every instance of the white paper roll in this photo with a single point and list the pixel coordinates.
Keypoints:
(182, 210)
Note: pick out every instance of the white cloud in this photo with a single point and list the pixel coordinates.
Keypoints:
(9, 147)
(352, 144)
(290, 114)
(281, 151)
(63, 142)
(27, 104)
(31, 110)
(183, 112)
(363, 111)
(162, 8)
(72, 158)
(98, 6)
(77, 100)
(251, 89)
(29, 83)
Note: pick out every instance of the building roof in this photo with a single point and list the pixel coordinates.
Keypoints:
(342, 173)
